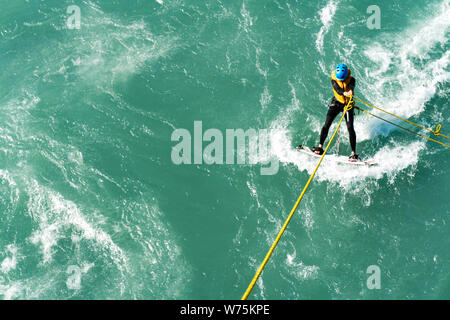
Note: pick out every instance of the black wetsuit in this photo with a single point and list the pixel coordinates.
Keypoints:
(334, 109)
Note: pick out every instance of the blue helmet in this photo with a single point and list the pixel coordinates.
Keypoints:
(341, 72)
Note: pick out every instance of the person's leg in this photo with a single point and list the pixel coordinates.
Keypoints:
(349, 117)
(333, 111)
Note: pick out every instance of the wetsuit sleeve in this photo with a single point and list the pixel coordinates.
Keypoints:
(351, 86)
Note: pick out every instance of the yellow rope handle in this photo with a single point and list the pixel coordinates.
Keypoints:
(436, 132)
(280, 234)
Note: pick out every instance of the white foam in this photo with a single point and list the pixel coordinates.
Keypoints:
(299, 269)
(138, 46)
(247, 21)
(326, 15)
(10, 262)
(11, 291)
(53, 214)
(391, 159)
(258, 64)
(403, 76)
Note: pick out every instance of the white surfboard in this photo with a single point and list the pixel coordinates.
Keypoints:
(336, 158)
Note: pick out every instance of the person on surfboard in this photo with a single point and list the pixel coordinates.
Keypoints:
(343, 85)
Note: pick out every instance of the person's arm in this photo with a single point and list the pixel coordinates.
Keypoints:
(337, 88)
(351, 85)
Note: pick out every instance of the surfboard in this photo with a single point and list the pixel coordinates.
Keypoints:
(336, 158)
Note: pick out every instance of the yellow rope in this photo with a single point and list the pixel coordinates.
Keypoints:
(280, 234)
(394, 124)
(436, 132)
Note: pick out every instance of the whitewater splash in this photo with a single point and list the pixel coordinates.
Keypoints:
(390, 160)
(406, 72)
(326, 15)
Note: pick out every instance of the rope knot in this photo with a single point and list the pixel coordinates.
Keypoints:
(350, 105)
(438, 129)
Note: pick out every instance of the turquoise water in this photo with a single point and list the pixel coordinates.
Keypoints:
(92, 206)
